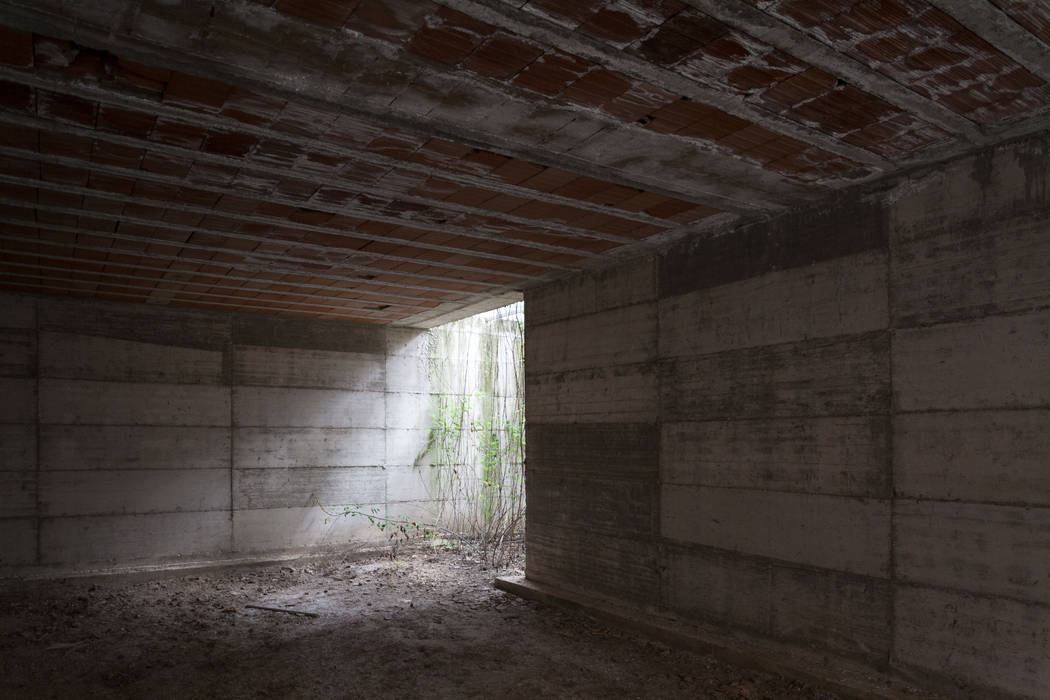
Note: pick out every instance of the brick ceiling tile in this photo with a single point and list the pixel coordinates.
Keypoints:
(597, 87)
(65, 145)
(615, 25)
(552, 73)
(231, 144)
(445, 44)
(17, 96)
(179, 134)
(64, 175)
(487, 161)
(196, 93)
(718, 125)
(681, 36)
(16, 47)
(330, 13)
(502, 56)
(126, 122)
(66, 108)
(515, 171)
(251, 108)
(470, 196)
(22, 137)
(639, 102)
(548, 180)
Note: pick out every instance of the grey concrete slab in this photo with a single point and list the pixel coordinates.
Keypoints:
(275, 529)
(17, 448)
(992, 456)
(407, 373)
(846, 456)
(409, 411)
(99, 492)
(618, 506)
(307, 334)
(632, 282)
(623, 335)
(407, 447)
(18, 493)
(75, 356)
(996, 550)
(623, 568)
(136, 322)
(791, 527)
(18, 540)
(838, 376)
(622, 394)
(408, 483)
(290, 448)
(837, 297)
(302, 487)
(17, 311)
(71, 447)
(280, 407)
(296, 367)
(719, 586)
(973, 642)
(994, 362)
(17, 352)
(19, 404)
(846, 614)
(594, 448)
(107, 539)
(83, 402)
(971, 269)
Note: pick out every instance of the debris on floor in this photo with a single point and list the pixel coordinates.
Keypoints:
(429, 624)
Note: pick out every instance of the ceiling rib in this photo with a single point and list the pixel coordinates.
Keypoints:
(498, 13)
(227, 127)
(1001, 31)
(783, 36)
(256, 218)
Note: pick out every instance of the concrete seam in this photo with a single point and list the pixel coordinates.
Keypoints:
(38, 554)
(229, 350)
(890, 446)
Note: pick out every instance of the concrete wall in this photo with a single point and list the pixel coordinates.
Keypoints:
(831, 429)
(134, 434)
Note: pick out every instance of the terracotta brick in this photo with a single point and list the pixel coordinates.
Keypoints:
(445, 44)
(178, 134)
(331, 13)
(552, 73)
(639, 102)
(211, 174)
(166, 165)
(390, 20)
(515, 171)
(681, 36)
(66, 145)
(470, 196)
(304, 121)
(502, 56)
(22, 137)
(615, 26)
(17, 96)
(195, 92)
(548, 180)
(232, 144)
(65, 108)
(64, 174)
(597, 87)
(716, 125)
(16, 47)
(251, 108)
(127, 122)
(117, 155)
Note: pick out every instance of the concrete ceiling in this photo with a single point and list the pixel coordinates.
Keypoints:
(411, 162)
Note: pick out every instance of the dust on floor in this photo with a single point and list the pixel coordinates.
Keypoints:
(428, 624)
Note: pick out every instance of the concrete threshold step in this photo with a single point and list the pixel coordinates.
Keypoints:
(820, 669)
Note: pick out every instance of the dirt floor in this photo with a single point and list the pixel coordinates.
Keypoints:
(428, 624)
